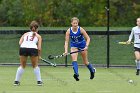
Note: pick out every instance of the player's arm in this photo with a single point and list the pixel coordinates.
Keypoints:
(39, 44)
(130, 36)
(86, 36)
(67, 35)
(21, 39)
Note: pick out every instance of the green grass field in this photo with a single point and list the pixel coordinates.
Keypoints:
(60, 80)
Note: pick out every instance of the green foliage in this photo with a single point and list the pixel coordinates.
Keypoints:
(122, 12)
(59, 12)
(11, 12)
(34, 10)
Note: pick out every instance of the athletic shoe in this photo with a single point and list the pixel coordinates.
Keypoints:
(76, 77)
(92, 74)
(137, 72)
(16, 83)
(39, 83)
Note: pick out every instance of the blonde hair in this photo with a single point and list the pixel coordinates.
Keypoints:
(74, 18)
(138, 18)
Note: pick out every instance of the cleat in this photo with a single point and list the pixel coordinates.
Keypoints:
(137, 72)
(92, 74)
(16, 83)
(39, 83)
(76, 77)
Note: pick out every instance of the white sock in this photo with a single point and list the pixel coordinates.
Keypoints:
(37, 73)
(19, 73)
(137, 64)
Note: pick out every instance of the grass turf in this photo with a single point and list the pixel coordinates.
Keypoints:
(60, 80)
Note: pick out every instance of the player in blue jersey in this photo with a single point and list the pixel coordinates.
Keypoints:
(79, 39)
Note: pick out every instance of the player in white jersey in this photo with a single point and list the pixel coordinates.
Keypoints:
(136, 33)
(30, 45)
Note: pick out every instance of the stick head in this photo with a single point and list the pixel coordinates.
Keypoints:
(54, 65)
(50, 57)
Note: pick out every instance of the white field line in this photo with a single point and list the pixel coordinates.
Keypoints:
(80, 91)
(105, 91)
(24, 92)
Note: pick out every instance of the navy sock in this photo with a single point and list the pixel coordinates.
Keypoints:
(89, 66)
(75, 67)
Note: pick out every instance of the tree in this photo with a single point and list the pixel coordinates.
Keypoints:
(11, 12)
(59, 12)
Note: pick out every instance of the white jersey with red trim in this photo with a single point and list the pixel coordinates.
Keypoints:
(29, 41)
(136, 33)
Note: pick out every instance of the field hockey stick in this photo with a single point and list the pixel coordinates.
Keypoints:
(48, 62)
(125, 43)
(58, 56)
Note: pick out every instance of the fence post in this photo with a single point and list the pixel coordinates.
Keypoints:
(108, 33)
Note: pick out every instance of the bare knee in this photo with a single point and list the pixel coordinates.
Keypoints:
(86, 63)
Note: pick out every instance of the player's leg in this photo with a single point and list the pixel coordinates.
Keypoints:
(74, 63)
(20, 69)
(89, 66)
(33, 53)
(34, 60)
(137, 56)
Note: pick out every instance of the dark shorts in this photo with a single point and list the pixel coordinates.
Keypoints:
(136, 49)
(28, 52)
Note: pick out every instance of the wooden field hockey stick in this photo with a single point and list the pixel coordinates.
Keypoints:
(48, 62)
(62, 55)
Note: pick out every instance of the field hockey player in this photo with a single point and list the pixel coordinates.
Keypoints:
(136, 33)
(79, 39)
(30, 45)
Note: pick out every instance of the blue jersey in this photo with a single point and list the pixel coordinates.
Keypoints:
(77, 39)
